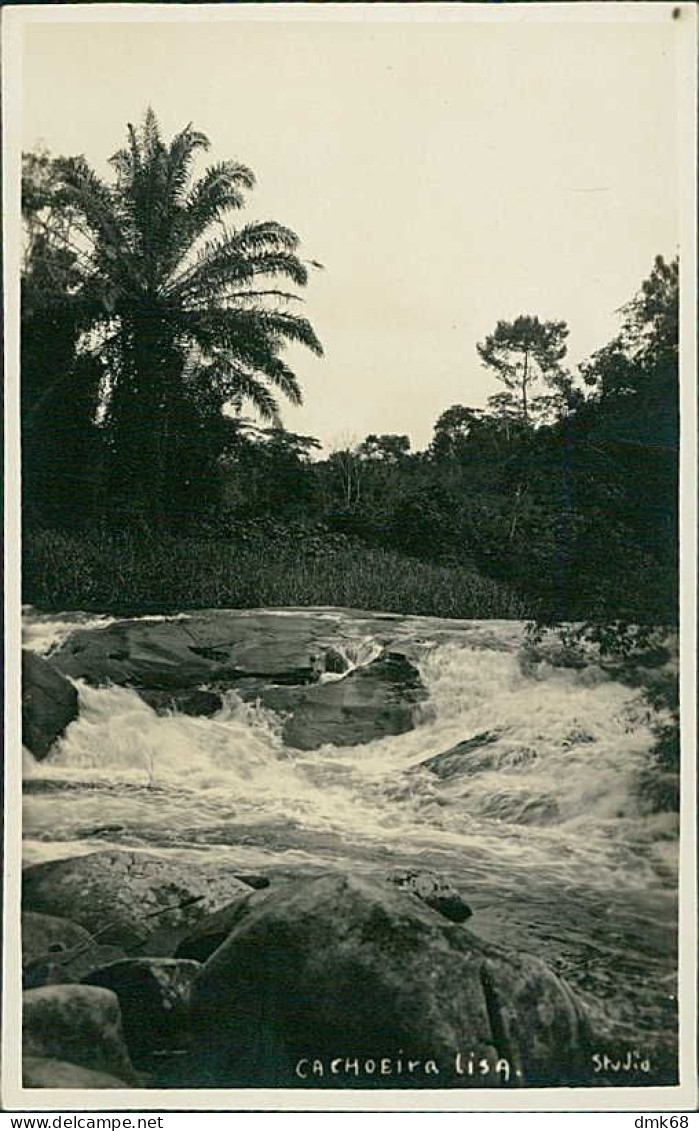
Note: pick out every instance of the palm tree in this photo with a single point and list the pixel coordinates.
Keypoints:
(188, 306)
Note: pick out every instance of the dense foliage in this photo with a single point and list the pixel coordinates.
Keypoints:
(149, 324)
(170, 311)
(262, 565)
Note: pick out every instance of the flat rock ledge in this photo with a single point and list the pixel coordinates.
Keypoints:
(329, 682)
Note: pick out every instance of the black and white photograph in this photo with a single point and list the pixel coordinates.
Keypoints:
(350, 510)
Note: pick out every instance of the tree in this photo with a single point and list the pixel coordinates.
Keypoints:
(505, 415)
(185, 300)
(646, 349)
(265, 472)
(632, 417)
(523, 353)
(348, 469)
(60, 385)
(452, 431)
(387, 448)
(651, 322)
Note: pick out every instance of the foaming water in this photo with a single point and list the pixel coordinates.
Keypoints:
(352, 654)
(550, 779)
(42, 632)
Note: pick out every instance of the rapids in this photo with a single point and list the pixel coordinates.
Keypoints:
(545, 830)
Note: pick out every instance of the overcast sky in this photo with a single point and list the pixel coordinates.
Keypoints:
(446, 174)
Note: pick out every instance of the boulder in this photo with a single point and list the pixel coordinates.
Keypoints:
(55, 950)
(80, 1024)
(49, 704)
(132, 894)
(283, 700)
(210, 933)
(217, 647)
(195, 702)
(254, 880)
(435, 892)
(43, 934)
(153, 996)
(462, 757)
(45, 1072)
(322, 973)
(369, 703)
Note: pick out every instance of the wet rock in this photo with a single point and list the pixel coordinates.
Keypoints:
(98, 831)
(80, 1024)
(49, 704)
(435, 892)
(55, 950)
(369, 703)
(254, 880)
(460, 758)
(210, 933)
(198, 702)
(64, 967)
(335, 662)
(32, 785)
(44, 1072)
(207, 647)
(133, 894)
(42, 934)
(340, 967)
(283, 700)
(154, 997)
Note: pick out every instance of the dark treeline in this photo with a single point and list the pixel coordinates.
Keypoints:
(150, 325)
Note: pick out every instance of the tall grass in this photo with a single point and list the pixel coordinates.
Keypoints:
(129, 574)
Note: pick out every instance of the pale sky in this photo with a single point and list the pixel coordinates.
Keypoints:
(446, 174)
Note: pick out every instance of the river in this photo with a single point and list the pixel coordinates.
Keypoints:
(544, 832)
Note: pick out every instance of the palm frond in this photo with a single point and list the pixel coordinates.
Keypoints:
(235, 328)
(180, 155)
(223, 263)
(151, 138)
(107, 225)
(220, 188)
(256, 354)
(240, 384)
(237, 383)
(236, 296)
(81, 188)
(264, 235)
(283, 378)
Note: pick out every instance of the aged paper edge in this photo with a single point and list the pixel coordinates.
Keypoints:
(682, 1097)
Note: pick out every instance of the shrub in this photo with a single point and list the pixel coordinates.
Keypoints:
(262, 564)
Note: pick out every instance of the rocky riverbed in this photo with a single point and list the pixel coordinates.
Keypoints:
(295, 840)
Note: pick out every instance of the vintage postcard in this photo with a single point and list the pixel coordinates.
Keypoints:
(351, 520)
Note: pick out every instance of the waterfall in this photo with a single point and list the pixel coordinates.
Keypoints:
(548, 779)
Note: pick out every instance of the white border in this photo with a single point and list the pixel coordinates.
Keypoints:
(680, 1098)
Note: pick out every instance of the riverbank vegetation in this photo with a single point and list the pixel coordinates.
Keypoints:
(130, 573)
(157, 472)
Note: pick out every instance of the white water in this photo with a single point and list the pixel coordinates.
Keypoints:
(545, 822)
